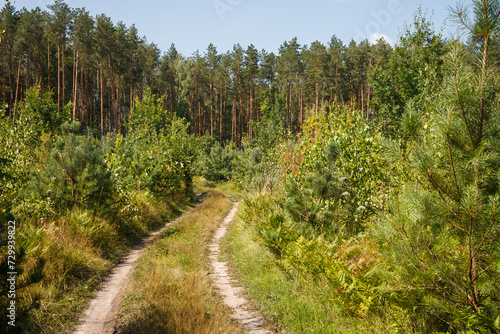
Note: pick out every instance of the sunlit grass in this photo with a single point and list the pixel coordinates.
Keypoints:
(171, 291)
(76, 250)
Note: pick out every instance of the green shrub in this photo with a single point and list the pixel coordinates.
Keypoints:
(337, 173)
(157, 154)
(218, 164)
(76, 173)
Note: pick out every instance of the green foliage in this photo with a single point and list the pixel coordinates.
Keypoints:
(40, 112)
(75, 173)
(257, 166)
(182, 110)
(316, 198)
(158, 153)
(352, 278)
(218, 163)
(76, 203)
(20, 139)
(332, 183)
(346, 266)
(148, 114)
(410, 79)
(270, 129)
(337, 169)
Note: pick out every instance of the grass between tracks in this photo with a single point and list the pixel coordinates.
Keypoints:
(77, 250)
(171, 291)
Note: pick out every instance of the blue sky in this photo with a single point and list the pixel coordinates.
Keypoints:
(193, 24)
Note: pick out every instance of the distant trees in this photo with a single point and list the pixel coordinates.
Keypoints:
(98, 68)
(90, 63)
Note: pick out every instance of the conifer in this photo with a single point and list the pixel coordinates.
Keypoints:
(441, 237)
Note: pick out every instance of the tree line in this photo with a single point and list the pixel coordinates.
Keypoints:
(96, 69)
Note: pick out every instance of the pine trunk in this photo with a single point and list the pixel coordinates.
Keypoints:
(112, 111)
(101, 80)
(198, 105)
(58, 79)
(3, 73)
(172, 98)
(63, 54)
(250, 134)
(17, 88)
(233, 120)
(222, 104)
(75, 83)
(48, 65)
(130, 87)
(317, 98)
(11, 95)
(211, 111)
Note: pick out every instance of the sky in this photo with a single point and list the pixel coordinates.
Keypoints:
(193, 24)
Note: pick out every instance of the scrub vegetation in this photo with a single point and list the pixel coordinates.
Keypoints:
(368, 176)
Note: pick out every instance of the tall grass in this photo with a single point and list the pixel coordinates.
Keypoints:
(171, 291)
(73, 252)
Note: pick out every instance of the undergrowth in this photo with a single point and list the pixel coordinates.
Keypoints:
(72, 253)
(296, 301)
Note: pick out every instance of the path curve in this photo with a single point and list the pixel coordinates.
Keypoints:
(232, 295)
(100, 317)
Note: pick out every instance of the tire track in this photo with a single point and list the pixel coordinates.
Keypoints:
(100, 316)
(232, 296)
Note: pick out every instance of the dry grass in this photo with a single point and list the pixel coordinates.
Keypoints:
(72, 253)
(171, 291)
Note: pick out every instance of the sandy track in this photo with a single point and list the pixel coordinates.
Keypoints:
(100, 317)
(232, 295)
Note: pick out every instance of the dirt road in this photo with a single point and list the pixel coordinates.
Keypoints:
(100, 317)
(231, 294)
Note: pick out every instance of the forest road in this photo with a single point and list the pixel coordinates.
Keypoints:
(232, 295)
(100, 316)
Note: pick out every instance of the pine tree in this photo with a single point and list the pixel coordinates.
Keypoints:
(75, 173)
(252, 67)
(316, 59)
(337, 83)
(443, 232)
(212, 61)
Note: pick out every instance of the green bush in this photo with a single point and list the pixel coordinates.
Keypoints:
(337, 172)
(157, 154)
(76, 173)
(347, 266)
(218, 164)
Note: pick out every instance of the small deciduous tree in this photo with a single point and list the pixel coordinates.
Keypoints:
(410, 79)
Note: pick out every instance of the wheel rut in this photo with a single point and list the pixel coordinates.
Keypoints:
(232, 295)
(100, 316)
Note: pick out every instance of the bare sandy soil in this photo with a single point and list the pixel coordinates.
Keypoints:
(232, 295)
(100, 317)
